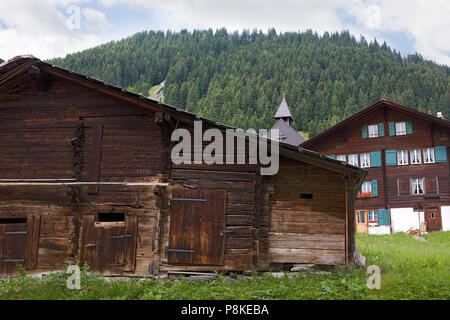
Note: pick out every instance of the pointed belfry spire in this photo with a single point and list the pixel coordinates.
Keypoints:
(283, 112)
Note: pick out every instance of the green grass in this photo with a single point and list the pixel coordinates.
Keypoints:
(411, 269)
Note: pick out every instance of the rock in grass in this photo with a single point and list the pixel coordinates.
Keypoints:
(201, 278)
(299, 268)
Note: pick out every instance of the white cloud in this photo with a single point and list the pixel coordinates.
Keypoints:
(94, 20)
(40, 27)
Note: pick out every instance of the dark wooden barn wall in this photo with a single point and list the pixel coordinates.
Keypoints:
(36, 142)
(303, 230)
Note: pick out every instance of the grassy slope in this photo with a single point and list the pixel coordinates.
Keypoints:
(411, 270)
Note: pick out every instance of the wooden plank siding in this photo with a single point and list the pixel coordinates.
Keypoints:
(78, 129)
(308, 230)
(348, 140)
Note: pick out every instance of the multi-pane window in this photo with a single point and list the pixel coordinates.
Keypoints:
(417, 186)
(353, 159)
(402, 157)
(428, 155)
(365, 160)
(373, 216)
(400, 128)
(341, 157)
(366, 186)
(361, 217)
(373, 131)
(416, 156)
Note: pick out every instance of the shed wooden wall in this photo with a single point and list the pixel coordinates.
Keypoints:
(307, 230)
(70, 131)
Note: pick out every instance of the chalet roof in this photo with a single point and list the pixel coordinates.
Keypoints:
(380, 106)
(287, 133)
(283, 110)
(21, 68)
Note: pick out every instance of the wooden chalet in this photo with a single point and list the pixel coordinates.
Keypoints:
(86, 177)
(406, 155)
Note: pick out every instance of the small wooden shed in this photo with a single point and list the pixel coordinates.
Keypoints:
(86, 177)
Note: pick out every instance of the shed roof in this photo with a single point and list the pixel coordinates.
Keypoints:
(15, 71)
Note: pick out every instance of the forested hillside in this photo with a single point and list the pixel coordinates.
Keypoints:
(239, 78)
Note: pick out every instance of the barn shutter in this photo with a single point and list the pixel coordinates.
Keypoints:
(332, 156)
(364, 131)
(383, 217)
(381, 129)
(129, 251)
(391, 129)
(391, 157)
(31, 249)
(408, 127)
(374, 188)
(440, 154)
(375, 159)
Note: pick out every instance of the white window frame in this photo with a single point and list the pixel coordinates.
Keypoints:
(366, 186)
(373, 131)
(402, 157)
(371, 215)
(400, 128)
(351, 158)
(416, 156)
(417, 185)
(341, 157)
(365, 160)
(427, 152)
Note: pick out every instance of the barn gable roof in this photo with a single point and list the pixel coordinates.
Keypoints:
(22, 68)
(380, 106)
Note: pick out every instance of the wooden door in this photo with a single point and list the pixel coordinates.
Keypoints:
(19, 239)
(433, 219)
(197, 223)
(109, 247)
(361, 221)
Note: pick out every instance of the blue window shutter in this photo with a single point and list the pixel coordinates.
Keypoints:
(332, 156)
(391, 158)
(381, 129)
(375, 159)
(391, 129)
(440, 154)
(364, 131)
(374, 188)
(383, 217)
(408, 127)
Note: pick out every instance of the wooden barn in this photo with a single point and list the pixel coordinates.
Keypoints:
(86, 176)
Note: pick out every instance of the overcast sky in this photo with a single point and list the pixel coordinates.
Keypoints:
(53, 28)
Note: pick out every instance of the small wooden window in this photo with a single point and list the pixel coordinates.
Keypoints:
(13, 220)
(306, 196)
(111, 217)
